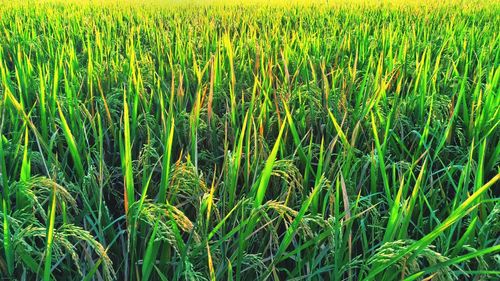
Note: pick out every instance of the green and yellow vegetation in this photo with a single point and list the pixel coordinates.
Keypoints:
(328, 141)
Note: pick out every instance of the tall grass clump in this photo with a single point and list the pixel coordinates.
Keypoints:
(331, 140)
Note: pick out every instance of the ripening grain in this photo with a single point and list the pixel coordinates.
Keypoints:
(260, 141)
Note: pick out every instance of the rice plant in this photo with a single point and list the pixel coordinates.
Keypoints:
(264, 140)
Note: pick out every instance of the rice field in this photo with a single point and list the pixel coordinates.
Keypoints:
(276, 140)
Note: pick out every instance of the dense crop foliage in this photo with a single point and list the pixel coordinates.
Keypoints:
(327, 142)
